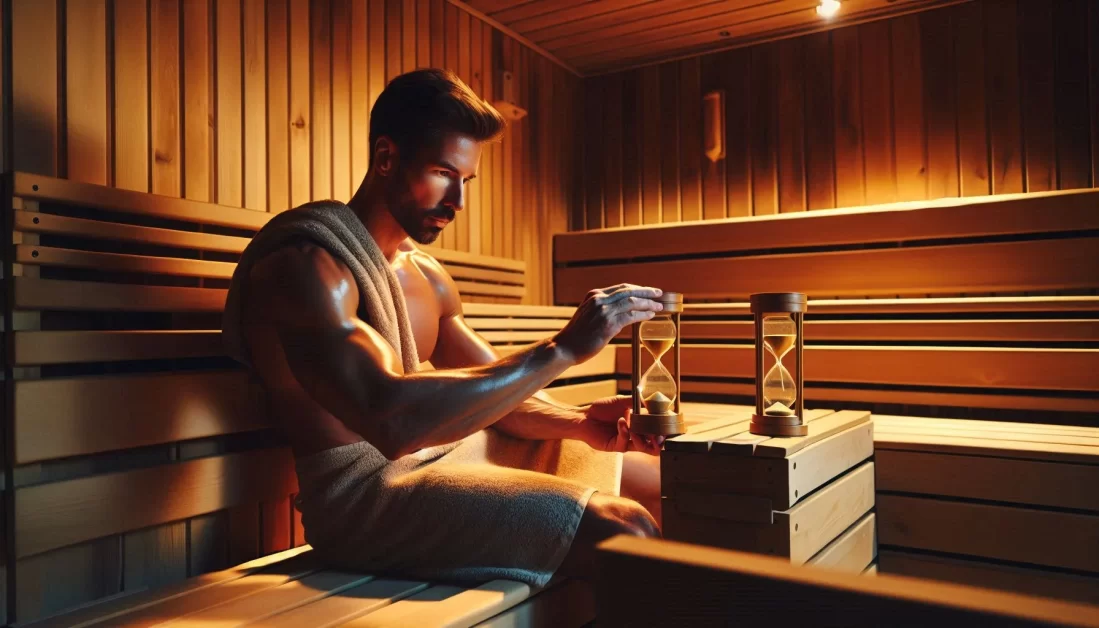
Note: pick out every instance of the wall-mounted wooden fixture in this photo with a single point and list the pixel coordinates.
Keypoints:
(713, 120)
(506, 106)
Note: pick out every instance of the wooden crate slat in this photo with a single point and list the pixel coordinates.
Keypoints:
(853, 551)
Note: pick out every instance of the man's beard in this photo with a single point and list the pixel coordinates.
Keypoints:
(415, 222)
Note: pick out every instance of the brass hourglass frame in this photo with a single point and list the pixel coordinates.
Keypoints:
(769, 304)
(641, 421)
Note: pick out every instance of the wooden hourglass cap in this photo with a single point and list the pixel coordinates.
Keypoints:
(672, 301)
(775, 302)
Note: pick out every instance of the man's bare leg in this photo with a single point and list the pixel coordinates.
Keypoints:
(641, 481)
(606, 516)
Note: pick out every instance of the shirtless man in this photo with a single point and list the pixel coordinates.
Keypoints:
(332, 380)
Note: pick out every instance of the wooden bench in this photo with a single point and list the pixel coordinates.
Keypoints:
(651, 582)
(981, 306)
(138, 453)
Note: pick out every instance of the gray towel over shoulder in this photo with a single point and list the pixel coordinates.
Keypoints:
(489, 506)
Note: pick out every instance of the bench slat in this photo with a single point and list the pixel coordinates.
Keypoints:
(396, 614)
(117, 606)
(1026, 535)
(117, 262)
(924, 305)
(64, 347)
(337, 609)
(456, 258)
(489, 289)
(1040, 582)
(951, 425)
(492, 324)
(260, 606)
(517, 311)
(52, 416)
(54, 515)
(1043, 265)
(819, 429)
(983, 477)
(570, 603)
(912, 330)
(464, 609)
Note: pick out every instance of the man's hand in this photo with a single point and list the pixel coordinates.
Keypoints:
(603, 314)
(605, 427)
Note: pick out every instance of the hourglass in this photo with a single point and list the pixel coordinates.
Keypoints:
(656, 392)
(779, 399)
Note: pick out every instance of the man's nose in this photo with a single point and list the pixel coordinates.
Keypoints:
(456, 196)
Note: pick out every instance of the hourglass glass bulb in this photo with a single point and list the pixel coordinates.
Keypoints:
(657, 389)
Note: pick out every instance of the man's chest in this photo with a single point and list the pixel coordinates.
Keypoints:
(422, 304)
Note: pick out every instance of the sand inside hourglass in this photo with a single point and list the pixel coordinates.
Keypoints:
(658, 346)
(778, 386)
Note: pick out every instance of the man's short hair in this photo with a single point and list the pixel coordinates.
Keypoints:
(421, 105)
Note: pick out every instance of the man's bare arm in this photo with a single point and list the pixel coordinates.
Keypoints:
(348, 368)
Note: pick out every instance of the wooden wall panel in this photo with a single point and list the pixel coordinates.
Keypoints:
(130, 94)
(86, 91)
(164, 97)
(230, 150)
(197, 159)
(976, 98)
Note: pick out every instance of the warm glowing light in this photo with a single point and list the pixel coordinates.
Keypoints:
(828, 8)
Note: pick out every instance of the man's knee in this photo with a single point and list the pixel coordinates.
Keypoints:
(611, 516)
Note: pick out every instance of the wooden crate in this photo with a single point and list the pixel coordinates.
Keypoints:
(805, 498)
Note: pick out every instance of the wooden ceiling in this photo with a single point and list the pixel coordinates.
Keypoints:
(598, 36)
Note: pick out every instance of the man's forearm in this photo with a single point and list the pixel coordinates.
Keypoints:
(542, 418)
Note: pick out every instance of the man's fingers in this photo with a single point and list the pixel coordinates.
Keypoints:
(622, 439)
(633, 291)
(628, 318)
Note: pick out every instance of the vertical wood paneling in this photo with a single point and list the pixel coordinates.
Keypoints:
(341, 100)
(495, 50)
(462, 225)
(301, 98)
(230, 162)
(909, 135)
(321, 29)
(820, 166)
(244, 533)
(739, 91)
(791, 125)
(631, 149)
(690, 130)
(408, 37)
(940, 103)
(448, 239)
(255, 105)
(1073, 137)
(164, 57)
(507, 238)
(376, 50)
(57, 580)
(649, 95)
(130, 97)
(764, 129)
(393, 47)
(197, 164)
(1036, 85)
(612, 150)
(155, 557)
(1093, 40)
(1002, 89)
(713, 172)
(275, 519)
(973, 151)
(847, 105)
(86, 91)
(482, 65)
(476, 209)
(669, 143)
(278, 108)
(423, 34)
(208, 539)
(360, 94)
(877, 113)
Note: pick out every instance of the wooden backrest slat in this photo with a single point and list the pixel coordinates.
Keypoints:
(59, 294)
(57, 418)
(926, 305)
(943, 219)
(986, 367)
(38, 222)
(1031, 265)
(65, 347)
(55, 515)
(118, 262)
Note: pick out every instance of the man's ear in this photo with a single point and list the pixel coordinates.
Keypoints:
(386, 156)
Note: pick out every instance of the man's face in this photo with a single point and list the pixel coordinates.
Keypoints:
(427, 190)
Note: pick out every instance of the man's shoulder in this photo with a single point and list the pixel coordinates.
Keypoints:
(296, 276)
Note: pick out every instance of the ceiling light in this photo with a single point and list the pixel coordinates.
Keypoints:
(828, 8)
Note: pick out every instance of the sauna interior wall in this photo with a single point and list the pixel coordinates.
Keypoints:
(260, 104)
(985, 97)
